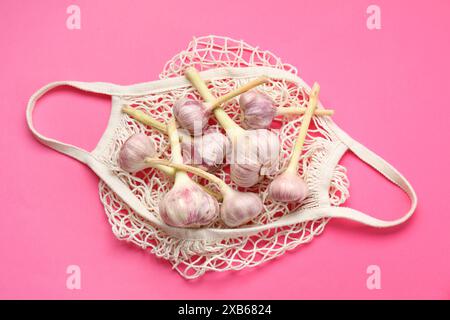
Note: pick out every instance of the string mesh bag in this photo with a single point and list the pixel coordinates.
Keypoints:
(194, 257)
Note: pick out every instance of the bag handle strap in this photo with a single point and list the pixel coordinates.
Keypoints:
(68, 149)
(387, 170)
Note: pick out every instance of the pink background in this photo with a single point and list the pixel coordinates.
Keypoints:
(389, 87)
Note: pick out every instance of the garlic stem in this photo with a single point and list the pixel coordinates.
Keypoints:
(216, 195)
(223, 187)
(174, 140)
(231, 127)
(194, 77)
(145, 119)
(169, 171)
(285, 111)
(296, 152)
(230, 95)
(175, 147)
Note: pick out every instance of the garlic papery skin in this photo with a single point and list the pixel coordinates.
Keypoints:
(187, 205)
(258, 110)
(207, 152)
(288, 187)
(191, 115)
(134, 151)
(237, 207)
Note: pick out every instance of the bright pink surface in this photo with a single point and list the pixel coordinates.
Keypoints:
(389, 87)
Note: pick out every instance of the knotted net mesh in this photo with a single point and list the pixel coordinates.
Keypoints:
(192, 258)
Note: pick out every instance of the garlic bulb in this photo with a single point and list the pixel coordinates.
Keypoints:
(134, 151)
(249, 158)
(289, 186)
(238, 207)
(191, 115)
(186, 204)
(258, 110)
(207, 152)
(255, 154)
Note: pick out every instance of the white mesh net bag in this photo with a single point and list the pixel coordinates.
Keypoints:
(193, 257)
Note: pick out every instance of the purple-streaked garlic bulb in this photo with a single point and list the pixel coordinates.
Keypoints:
(191, 115)
(289, 186)
(134, 151)
(238, 207)
(258, 110)
(187, 204)
(207, 152)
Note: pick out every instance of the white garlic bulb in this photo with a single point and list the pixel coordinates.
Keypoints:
(134, 151)
(248, 161)
(191, 115)
(258, 110)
